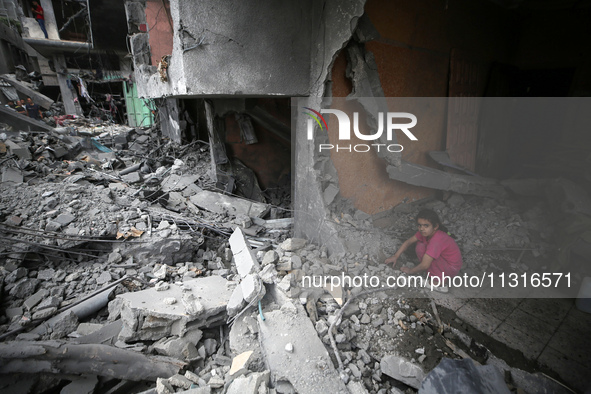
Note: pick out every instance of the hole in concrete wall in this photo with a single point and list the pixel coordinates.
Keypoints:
(251, 142)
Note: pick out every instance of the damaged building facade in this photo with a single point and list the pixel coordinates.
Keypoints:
(82, 61)
(171, 255)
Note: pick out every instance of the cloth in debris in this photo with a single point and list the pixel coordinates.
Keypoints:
(447, 258)
(463, 377)
(84, 91)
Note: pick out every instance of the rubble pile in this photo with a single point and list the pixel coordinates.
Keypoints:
(117, 244)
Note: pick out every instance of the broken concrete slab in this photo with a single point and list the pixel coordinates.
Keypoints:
(244, 257)
(107, 335)
(236, 302)
(293, 244)
(252, 288)
(35, 299)
(240, 364)
(10, 174)
(248, 384)
(175, 182)
(403, 370)
(415, 174)
(181, 348)
(37, 97)
(220, 203)
(22, 122)
(146, 317)
(315, 372)
(21, 151)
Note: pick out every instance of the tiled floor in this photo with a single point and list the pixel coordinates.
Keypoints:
(551, 331)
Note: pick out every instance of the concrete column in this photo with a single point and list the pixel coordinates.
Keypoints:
(169, 120)
(67, 94)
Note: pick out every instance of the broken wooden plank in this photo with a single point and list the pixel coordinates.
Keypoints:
(66, 358)
(418, 175)
(37, 97)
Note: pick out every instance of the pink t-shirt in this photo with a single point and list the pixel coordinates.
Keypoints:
(445, 252)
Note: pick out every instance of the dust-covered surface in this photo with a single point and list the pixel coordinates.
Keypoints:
(134, 219)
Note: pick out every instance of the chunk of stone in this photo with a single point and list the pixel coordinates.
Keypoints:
(216, 382)
(44, 313)
(104, 277)
(180, 381)
(180, 348)
(356, 387)
(270, 257)
(35, 299)
(240, 364)
(65, 325)
(210, 346)
(160, 272)
(321, 327)
(403, 370)
(249, 384)
(169, 300)
(292, 244)
(399, 316)
(161, 286)
(252, 288)
(49, 302)
(146, 317)
(285, 284)
(46, 274)
(52, 226)
(24, 288)
(219, 203)
(114, 258)
(244, 257)
(88, 328)
(65, 218)
(268, 274)
(355, 370)
(163, 387)
(236, 302)
(133, 177)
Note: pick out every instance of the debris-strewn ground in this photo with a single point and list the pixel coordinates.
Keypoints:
(115, 239)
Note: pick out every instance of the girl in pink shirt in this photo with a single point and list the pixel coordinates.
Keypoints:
(438, 253)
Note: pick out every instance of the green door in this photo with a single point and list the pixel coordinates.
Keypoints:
(139, 113)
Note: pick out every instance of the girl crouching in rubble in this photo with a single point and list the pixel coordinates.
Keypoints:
(438, 253)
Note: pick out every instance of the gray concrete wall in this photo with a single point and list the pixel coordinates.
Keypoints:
(238, 48)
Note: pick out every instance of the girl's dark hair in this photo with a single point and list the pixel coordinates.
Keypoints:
(431, 216)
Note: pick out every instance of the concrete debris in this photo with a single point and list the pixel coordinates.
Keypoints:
(293, 244)
(249, 384)
(240, 364)
(220, 203)
(146, 317)
(236, 302)
(244, 258)
(403, 370)
(315, 372)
